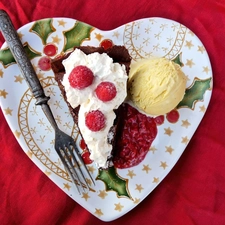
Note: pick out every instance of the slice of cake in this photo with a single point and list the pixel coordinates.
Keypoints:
(93, 82)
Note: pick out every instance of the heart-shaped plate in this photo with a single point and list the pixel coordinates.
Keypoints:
(117, 191)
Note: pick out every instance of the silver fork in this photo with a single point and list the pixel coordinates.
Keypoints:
(65, 146)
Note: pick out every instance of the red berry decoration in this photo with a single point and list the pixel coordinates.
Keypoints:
(173, 116)
(106, 44)
(44, 63)
(86, 157)
(95, 120)
(106, 91)
(136, 137)
(159, 120)
(50, 49)
(81, 77)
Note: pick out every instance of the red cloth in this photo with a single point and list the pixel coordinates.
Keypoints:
(193, 192)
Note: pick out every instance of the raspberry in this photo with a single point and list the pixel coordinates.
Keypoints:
(136, 137)
(81, 77)
(106, 91)
(95, 120)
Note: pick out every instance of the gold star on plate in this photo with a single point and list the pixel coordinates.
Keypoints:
(146, 168)
(185, 140)
(169, 149)
(118, 207)
(98, 36)
(155, 180)
(185, 123)
(189, 63)
(66, 186)
(139, 187)
(116, 34)
(17, 134)
(201, 49)
(29, 153)
(18, 79)
(102, 194)
(131, 174)
(8, 111)
(189, 44)
(3, 93)
(205, 69)
(163, 165)
(136, 200)
(56, 39)
(61, 23)
(40, 75)
(1, 73)
(152, 149)
(202, 108)
(98, 212)
(85, 196)
(91, 169)
(168, 131)
(48, 173)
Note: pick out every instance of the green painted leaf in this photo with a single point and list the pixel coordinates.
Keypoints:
(114, 182)
(178, 60)
(43, 28)
(6, 57)
(195, 93)
(76, 35)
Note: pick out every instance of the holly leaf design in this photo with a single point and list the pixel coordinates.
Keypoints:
(195, 93)
(113, 182)
(43, 28)
(178, 59)
(7, 59)
(76, 35)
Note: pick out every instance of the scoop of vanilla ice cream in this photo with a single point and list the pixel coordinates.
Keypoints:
(156, 85)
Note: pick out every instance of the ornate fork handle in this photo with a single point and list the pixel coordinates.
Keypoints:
(19, 54)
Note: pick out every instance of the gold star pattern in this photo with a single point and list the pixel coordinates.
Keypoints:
(61, 23)
(66, 186)
(56, 39)
(136, 200)
(185, 123)
(1, 73)
(91, 169)
(201, 49)
(85, 196)
(185, 140)
(40, 75)
(146, 168)
(102, 194)
(18, 79)
(155, 180)
(189, 63)
(163, 165)
(202, 108)
(98, 36)
(189, 44)
(168, 131)
(152, 149)
(29, 153)
(131, 174)
(17, 134)
(139, 187)
(3, 93)
(8, 111)
(116, 34)
(169, 149)
(118, 207)
(205, 69)
(98, 212)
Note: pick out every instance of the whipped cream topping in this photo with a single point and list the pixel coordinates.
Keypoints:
(103, 69)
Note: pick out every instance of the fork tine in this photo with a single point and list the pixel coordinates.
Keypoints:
(81, 161)
(67, 169)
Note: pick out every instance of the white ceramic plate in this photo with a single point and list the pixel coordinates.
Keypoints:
(143, 38)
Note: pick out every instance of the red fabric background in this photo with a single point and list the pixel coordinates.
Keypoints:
(193, 192)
